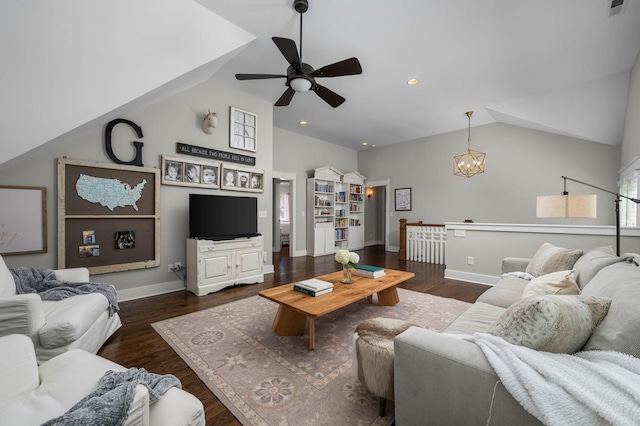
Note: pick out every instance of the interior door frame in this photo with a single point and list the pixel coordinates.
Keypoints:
(386, 183)
(276, 214)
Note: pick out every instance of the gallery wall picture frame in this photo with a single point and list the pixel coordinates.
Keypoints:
(403, 199)
(243, 130)
(100, 202)
(194, 172)
(238, 178)
(23, 220)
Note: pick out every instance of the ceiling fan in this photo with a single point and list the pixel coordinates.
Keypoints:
(301, 76)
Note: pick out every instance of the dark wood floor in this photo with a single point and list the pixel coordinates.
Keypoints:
(136, 344)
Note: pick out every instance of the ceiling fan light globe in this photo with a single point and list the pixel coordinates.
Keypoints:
(300, 85)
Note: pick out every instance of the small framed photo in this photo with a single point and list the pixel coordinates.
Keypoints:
(244, 130)
(230, 177)
(89, 251)
(238, 178)
(172, 171)
(210, 175)
(243, 179)
(89, 237)
(403, 199)
(125, 239)
(256, 181)
(192, 172)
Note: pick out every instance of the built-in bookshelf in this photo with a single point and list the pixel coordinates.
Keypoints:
(356, 203)
(336, 200)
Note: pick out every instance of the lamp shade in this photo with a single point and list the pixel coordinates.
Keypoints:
(300, 84)
(566, 206)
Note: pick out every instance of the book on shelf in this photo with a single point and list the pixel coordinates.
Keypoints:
(369, 271)
(315, 284)
(310, 292)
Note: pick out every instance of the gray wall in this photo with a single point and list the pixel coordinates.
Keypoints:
(294, 153)
(631, 136)
(176, 119)
(521, 164)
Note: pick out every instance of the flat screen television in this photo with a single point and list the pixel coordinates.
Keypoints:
(218, 217)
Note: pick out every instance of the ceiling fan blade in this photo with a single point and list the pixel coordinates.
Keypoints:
(258, 76)
(286, 97)
(349, 66)
(329, 96)
(289, 51)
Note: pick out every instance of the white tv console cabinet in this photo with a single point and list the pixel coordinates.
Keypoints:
(214, 265)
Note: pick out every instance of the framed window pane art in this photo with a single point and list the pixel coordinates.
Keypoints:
(244, 128)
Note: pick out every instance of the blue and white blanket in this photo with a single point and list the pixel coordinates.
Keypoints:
(109, 404)
(44, 283)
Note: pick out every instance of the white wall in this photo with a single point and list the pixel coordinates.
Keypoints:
(521, 164)
(295, 153)
(175, 119)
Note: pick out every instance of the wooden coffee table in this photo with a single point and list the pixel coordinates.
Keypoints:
(295, 307)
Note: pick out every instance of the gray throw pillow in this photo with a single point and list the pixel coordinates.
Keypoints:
(592, 262)
(559, 324)
(620, 330)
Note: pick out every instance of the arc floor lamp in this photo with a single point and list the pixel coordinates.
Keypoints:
(578, 206)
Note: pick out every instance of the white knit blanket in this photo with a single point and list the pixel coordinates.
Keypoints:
(586, 388)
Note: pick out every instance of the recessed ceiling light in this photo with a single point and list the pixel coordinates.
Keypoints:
(365, 143)
(303, 123)
(412, 82)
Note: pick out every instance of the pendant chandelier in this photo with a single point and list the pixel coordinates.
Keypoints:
(470, 162)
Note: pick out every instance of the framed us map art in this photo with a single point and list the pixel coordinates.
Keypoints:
(98, 205)
(243, 128)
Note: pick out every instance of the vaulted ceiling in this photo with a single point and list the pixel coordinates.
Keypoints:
(561, 67)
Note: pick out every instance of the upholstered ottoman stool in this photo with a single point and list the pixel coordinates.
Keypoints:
(373, 355)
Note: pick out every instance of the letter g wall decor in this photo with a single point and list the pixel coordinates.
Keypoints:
(137, 160)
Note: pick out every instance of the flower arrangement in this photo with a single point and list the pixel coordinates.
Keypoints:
(348, 260)
(346, 257)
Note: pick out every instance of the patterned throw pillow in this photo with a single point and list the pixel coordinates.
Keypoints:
(550, 258)
(559, 324)
(560, 282)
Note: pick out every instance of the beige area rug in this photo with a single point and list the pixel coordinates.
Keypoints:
(266, 379)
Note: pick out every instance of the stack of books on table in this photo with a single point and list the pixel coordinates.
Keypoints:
(369, 271)
(313, 287)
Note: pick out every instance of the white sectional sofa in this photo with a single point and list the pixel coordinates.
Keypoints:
(441, 379)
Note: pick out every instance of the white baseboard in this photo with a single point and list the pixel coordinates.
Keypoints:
(268, 269)
(394, 249)
(150, 290)
(373, 243)
(162, 288)
(471, 277)
(299, 253)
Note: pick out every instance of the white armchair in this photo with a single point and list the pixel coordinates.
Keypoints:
(78, 322)
(32, 394)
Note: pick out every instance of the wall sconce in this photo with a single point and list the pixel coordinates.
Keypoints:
(210, 122)
(369, 192)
